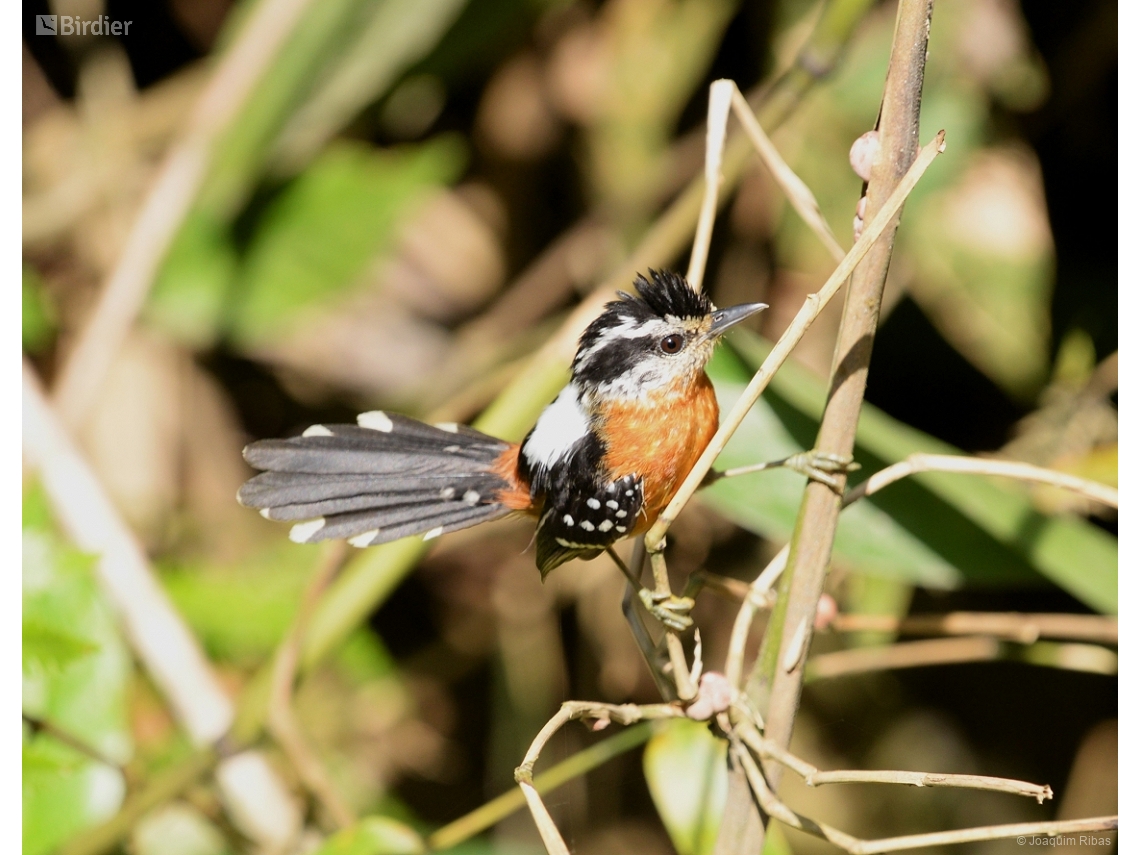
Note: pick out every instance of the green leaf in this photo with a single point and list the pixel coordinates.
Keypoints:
(240, 612)
(688, 780)
(374, 835)
(189, 295)
(38, 317)
(48, 649)
(317, 237)
(935, 529)
(77, 680)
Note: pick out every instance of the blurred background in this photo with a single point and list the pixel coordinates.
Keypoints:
(405, 207)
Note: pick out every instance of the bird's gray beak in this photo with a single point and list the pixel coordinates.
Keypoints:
(724, 319)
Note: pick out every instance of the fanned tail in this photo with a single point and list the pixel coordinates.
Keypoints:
(387, 477)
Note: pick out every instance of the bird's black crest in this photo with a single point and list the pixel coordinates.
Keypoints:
(668, 293)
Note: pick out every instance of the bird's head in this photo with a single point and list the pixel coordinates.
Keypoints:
(657, 341)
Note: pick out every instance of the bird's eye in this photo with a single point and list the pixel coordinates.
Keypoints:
(672, 343)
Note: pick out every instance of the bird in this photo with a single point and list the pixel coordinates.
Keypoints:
(602, 461)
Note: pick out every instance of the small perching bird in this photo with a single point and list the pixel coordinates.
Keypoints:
(602, 461)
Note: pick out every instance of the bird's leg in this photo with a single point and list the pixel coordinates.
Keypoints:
(653, 653)
(671, 610)
(816, 465)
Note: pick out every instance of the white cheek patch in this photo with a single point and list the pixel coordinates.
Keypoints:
(560, 426)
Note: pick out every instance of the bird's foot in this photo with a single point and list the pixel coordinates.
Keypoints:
(671, 610)
(823, 467)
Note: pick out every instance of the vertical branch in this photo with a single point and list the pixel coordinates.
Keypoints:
(778, 680)
(782, 656)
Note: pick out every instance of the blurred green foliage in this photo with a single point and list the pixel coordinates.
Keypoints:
(76, 670)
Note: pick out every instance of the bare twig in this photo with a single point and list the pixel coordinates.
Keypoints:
(503, 806)
(282, 722)
(813, 777)
(916, 463)
(1024, 627)
(166, 647)
(168, 203)
(720, 99)
(811, 309)
(159, 790)
(948, 651)
(758, 597)
(798, 193)
(571, 710)
(42, 725)
(771, 805)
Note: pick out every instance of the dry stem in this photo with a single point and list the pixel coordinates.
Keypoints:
(281, 721)
(916, 463)
(813, 777)
(811, 309)
(621, 713)
(1013, 626)
(168, 203)
(772, 805)
(950, 651)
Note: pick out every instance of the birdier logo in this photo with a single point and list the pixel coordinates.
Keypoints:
(76, 25)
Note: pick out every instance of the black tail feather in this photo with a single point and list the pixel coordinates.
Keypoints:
(372, 484)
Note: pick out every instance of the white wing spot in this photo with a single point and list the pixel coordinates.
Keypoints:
(317, 430)
(586, 525)
(605, 525)
(376, 420)
(301, 532)
(450, 427)
(265, 513)
(629, 492)
(363, 540)
(621, 515)
(447, 493)
(451, 449)
(593, 503)
(434, 533)
(471, 497)
(569, 520)
(612, 505)
(620, 528)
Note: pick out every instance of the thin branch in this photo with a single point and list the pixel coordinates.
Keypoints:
(758, 597)
(168, 202)
(1024, 627)
(813, 777)
(494, 811)
(720, 99)
(798, 193)
(159, 790)
(59, 734)
(282, 722)
(524, 775)
(952, 651)
(771, 805)
(813, 305)
(916, 463)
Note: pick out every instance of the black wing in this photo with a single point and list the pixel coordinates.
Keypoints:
(581, 523)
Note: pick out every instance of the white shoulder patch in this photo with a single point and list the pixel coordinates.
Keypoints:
(561, 424)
